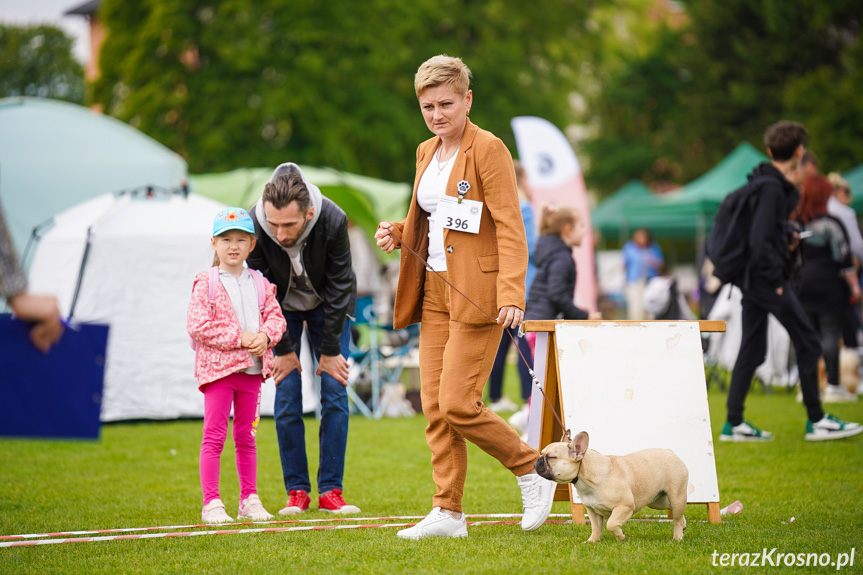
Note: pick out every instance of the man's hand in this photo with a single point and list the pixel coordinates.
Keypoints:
(259, 344)
(383, 237)
(336, 366)
(510, 316)
(594, 315)
(284, 365)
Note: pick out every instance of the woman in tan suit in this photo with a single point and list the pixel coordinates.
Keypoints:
(465, 222)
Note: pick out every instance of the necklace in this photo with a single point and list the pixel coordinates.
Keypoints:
(440, 168)
(437, 156)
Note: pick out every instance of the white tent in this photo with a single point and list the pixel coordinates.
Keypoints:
(137, 277)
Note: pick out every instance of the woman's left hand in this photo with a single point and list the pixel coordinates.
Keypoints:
(510, 316)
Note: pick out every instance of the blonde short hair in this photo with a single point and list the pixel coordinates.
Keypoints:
(838, 181)
(442, 69)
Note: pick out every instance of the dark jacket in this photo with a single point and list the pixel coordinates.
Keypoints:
(327, 260)
(771, 262)
(826, 257)
(553, 288)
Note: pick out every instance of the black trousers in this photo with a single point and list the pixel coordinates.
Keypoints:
(829, 326)
(759, 301)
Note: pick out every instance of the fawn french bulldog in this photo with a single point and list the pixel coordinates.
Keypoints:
(615, 487)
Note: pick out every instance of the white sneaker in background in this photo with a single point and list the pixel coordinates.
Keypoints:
(503, 404)
(436, 524)
(519, 419)
(252, 508)
(214, 512)
(537, 496)
(837, 394)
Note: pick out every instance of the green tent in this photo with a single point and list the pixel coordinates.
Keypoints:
(683, 214)
(365, 200)
(689, 211)
(855, 180)
(606, 216)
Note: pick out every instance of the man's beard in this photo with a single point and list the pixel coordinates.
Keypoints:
(293, 242)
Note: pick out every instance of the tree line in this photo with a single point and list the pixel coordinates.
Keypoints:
(646, 89)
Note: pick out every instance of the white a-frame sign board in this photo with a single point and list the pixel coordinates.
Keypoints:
(637, 385)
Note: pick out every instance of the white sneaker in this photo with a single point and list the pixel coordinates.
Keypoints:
(503, 404)
(519, 419)
(537, 495)
(252, 508)
(838, 394)
(436, 524)
(214, 512)
(830, 427)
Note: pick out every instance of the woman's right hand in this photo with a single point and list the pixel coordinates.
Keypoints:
(384, 239)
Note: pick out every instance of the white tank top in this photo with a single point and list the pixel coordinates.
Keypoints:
(431, 187)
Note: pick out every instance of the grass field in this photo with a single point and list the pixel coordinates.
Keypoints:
(146, 474)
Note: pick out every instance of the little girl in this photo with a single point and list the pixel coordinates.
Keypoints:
(233, 336)
(551, 294)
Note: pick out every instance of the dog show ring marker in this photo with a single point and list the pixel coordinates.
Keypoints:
(631, 385)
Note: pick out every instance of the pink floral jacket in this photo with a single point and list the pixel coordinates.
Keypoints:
(218, 331)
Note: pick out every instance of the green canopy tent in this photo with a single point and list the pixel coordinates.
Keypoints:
(365, 200)
(689, 212)
(855, 180)
(606, 216)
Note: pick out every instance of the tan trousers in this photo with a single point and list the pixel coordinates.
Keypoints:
(455, 362)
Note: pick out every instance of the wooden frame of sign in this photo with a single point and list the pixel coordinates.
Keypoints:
(543, 426)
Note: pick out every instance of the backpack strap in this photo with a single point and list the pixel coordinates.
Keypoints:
(261, 288)
(211, 291)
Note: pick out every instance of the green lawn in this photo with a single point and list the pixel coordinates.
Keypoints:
(146, 475)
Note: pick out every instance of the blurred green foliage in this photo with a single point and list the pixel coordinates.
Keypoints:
(38, 61)
(673, 104)
(257, 82)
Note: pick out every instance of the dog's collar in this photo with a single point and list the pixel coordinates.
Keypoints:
(575, 480)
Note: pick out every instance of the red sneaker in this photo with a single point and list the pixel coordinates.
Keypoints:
(333, 502)
(297, 503)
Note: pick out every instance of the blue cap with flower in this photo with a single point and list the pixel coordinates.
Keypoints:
(233, 219)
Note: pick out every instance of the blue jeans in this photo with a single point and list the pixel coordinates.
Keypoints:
(333, 436)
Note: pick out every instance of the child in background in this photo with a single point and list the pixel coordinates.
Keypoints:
(234, 337)
(553, 289)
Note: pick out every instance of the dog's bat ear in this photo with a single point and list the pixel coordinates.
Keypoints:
(578, 446)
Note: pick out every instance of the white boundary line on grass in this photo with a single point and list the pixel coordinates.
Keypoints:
(193, 526)
(234, 531)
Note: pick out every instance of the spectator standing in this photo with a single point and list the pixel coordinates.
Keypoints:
(234, 337)
(553, 289)
(303, 248)
(642, 259)
(839, 206)
(827, 278)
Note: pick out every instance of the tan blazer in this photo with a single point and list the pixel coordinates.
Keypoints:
(489, 267)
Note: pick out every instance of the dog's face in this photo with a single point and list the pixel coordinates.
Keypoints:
(561, 461)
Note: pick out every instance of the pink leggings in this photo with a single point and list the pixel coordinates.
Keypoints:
(244, 391)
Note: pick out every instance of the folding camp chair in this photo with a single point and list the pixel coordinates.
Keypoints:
(381, 361)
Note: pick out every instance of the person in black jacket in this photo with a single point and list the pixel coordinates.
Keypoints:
(303, 248)
(828, 278)
(773, 247)
(551, 293)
